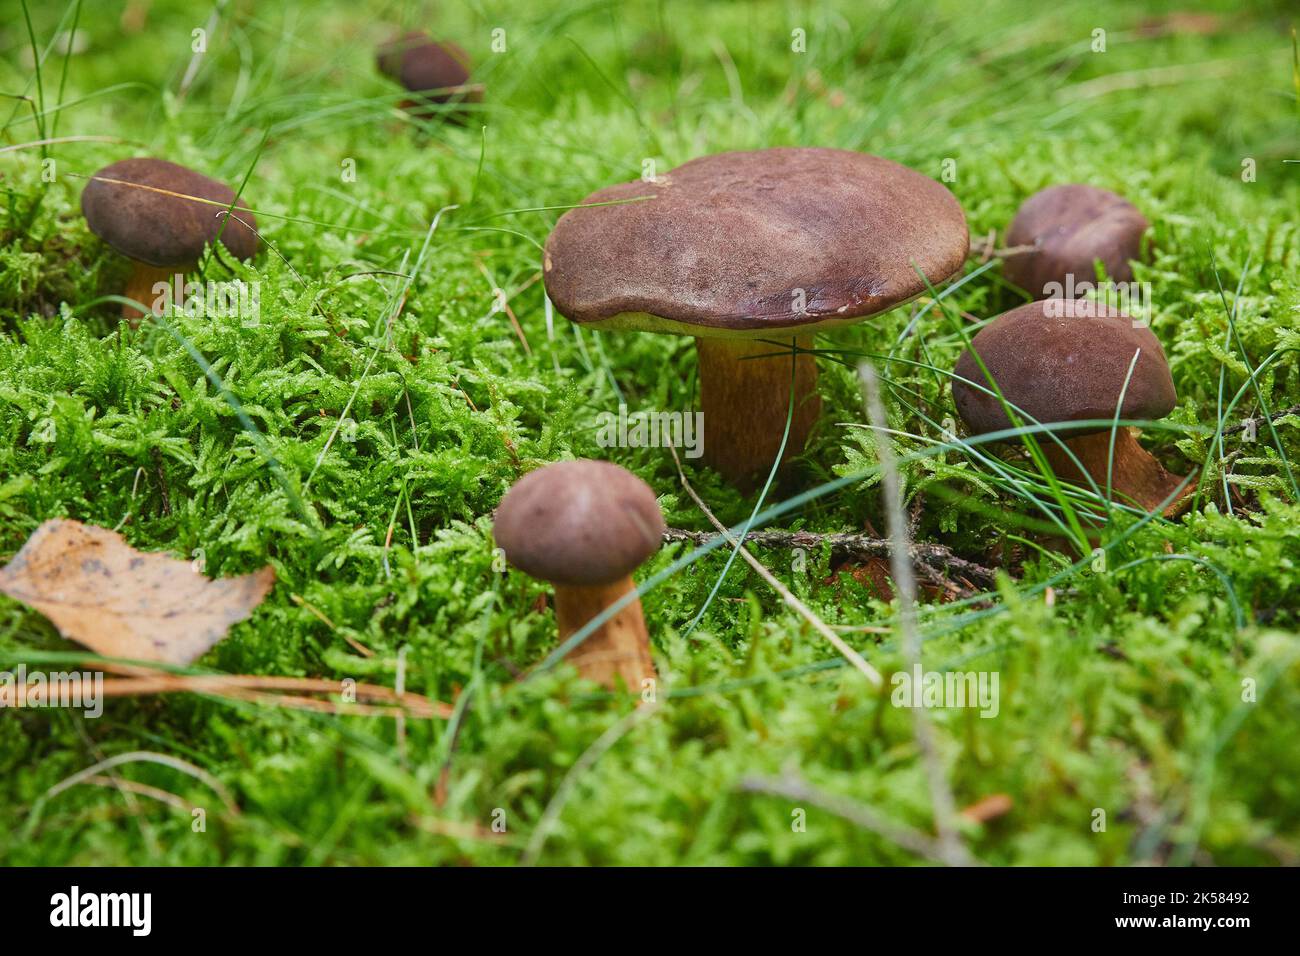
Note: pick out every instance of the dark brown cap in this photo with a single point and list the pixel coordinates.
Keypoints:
(425, 66)
(1072, 226)
(152, 222)
(736, 243)
(1061, 369)
(579, 523)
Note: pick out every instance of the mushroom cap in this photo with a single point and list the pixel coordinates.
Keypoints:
(732, 244)
(159, 228)
(1073, 225)
(422, 65)
(1062, 369)
(579, 523)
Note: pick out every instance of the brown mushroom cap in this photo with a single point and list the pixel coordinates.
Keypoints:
(579, 523)
(1062, 369)
(422, 65)
(159, 228)
(729, 240)
(1073, 225)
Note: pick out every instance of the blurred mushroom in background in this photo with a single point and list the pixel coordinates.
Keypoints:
(1070, 227)
(161, 216)
(436, 71)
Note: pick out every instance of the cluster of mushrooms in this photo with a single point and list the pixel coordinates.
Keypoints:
(161, 216)
(751, 254)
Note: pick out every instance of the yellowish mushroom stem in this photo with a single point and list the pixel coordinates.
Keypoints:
(618, 650)
(140, 287)
(1137, 478)
(746, 400)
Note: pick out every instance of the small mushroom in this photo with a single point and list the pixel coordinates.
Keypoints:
(154, 213)
(1056, 370)
(585, 526)
(436, 71)
(1070, 227)
(751, 253)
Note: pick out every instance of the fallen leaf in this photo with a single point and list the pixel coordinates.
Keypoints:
(120, 602)
(989, 808)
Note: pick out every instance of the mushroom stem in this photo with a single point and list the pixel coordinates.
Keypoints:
(139, 286)
(1136, 478)
(617, 650)
(746, 401)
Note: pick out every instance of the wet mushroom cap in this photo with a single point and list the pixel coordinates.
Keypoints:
(579, 523)
(421, 64)
(159, 228)
(732, 244)
(1072, 226)
(1063, 369)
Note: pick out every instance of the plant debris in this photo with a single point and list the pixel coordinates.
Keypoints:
(120, 602)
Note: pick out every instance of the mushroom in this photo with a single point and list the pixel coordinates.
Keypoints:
(1070, 227)
(585, 526)
(437, 71)
(751, 253)
(154, 213)
(1057, 370)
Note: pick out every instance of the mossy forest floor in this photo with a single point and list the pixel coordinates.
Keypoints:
(1149, 708)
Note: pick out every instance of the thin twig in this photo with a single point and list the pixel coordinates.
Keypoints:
(603, 743)
(1152, 76)
(986, 249)
(941, 798)
(321, 616)
(400, 687)
(270, 689)
(147, 756)
(935, 556)
(1261, 419)
(458, 829)
(794, 788)
(144, 790)
(501, 303)
(786, 594)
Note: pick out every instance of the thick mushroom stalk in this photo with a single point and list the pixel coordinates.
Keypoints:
(140, 285)
(584, 526)
(1057, 369)
(738, 248)
(618, 651)
(745, 399)
(161, 216)
(1136, 477)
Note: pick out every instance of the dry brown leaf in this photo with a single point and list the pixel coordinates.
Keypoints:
(989, 808)
(120, 602)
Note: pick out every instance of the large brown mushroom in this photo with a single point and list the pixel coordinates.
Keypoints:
(751, 253)
(585, 526)
(1054, 370)
(1070, 227)
(161, 216)
(437, 71)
